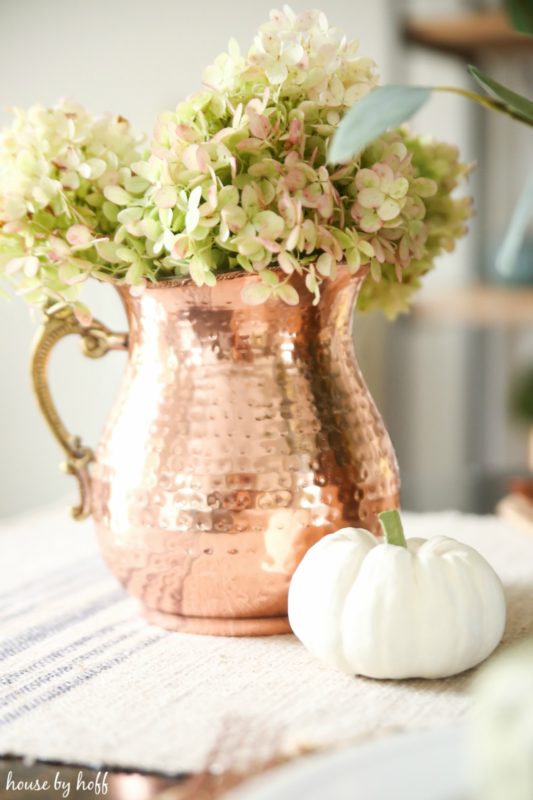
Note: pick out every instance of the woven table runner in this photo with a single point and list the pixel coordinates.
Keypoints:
(84, 679)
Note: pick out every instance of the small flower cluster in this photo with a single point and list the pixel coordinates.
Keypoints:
(55, 221)
(237, 179)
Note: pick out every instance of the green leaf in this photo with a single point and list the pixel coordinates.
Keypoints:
(521, 13)
(515, 104)
(383, 108)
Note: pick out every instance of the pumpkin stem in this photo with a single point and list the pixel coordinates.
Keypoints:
(392, 526)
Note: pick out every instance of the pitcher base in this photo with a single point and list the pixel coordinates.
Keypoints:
(218, 626)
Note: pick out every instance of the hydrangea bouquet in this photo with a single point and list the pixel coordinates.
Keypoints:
(236, 179)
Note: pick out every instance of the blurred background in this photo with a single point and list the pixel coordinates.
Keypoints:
(441, 376)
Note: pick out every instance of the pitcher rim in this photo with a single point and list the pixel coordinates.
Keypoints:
(186, 280)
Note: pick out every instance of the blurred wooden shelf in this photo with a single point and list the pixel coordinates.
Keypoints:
(481, 305)
(466, 34)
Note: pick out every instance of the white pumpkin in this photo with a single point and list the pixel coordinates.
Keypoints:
(416, 609)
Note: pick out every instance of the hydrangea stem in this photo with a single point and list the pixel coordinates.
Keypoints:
(392, 526)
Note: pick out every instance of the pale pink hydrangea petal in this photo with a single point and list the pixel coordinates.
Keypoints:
(70, 179)
(375, 270)
(186, 133)
(70, 274)
(249, 199)
(223, 231)
(180, 248)
(276, 72)
(385, 174)
(324, 204)
(212, 197)
(117, 195)
(398, 188)
(59, 249)
(425, 187)
(354, 93)
(353, 258)
(251, 247)
(228, 195)
(288, 294)
(366, 248)
(136, 184)
(145, 170)
(79, 235)
(266, 192)
(269, 225)
(293, 238)
(369, 221)
(399, 150)
(403, 251)
(255, 294)
(202, 157)
(268, 244)
(130, 215)
(325, 264)
(166, 197)
(288, 209)
(306, 20)
(259, 126)
(293, 54)
(82, 314)
(234, 217)
(27, 264)
(310, 234)
(295, 131)
(295, 179)
(388, 210)
(250, 145)
(190, 157)
(370, 198)
(379, 252)
(287, 262)
(254, 107)
(94, 168)
(367, 179)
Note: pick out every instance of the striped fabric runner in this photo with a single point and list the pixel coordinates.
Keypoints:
(83, 679)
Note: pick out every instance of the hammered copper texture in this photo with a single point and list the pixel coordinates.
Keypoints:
(241, 435)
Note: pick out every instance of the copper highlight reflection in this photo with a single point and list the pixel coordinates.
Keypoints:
(241, 435)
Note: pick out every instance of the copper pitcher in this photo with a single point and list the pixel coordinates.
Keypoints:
(240, 436)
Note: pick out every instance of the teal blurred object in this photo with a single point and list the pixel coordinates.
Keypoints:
(513, 263)
(520, 272)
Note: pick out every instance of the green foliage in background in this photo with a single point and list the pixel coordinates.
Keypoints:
(522, 397)
(521, 14)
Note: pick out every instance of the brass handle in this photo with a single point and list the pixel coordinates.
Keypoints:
(96, 341)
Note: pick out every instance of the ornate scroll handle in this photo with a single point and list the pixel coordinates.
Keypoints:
(96, 341)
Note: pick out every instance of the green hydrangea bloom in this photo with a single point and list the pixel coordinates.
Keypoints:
(237, 179)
